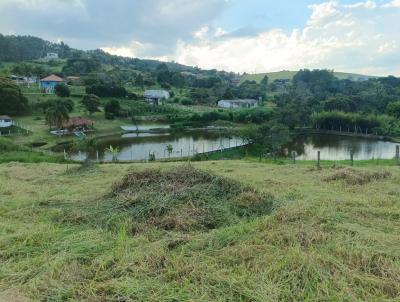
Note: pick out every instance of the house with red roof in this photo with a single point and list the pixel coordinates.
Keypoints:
(50, 82)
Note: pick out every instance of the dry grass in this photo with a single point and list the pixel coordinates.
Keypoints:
(357, 177)
(186, 199)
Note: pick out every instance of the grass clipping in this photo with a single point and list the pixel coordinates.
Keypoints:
(356, 177)
(186, 199)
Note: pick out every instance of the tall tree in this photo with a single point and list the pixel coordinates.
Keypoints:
(91, 103)
(57, 115)
(11, 99)
(268, 137)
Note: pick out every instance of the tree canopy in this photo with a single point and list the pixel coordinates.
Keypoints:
(12, 101)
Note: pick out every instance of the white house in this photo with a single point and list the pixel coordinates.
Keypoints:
(52, 56)
(5, 121)
(156, 96)
(245, 103)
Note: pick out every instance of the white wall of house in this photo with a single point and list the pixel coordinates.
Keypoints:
(6, 123)
(230, 104)
(227, 104)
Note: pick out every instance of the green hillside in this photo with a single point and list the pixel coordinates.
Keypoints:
(288, 75)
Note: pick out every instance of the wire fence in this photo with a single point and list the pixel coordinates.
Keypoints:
(15, 130)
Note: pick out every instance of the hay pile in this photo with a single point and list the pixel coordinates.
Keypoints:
(357, 177)
(186, 199)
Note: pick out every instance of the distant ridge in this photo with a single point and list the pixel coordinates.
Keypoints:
(289, 74)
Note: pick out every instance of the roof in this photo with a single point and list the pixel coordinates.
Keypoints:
(156, 94)
(5, 117)
(79, 121)
(52, 78)
(242, 101)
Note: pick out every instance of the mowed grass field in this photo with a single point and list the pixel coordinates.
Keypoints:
(332, 234)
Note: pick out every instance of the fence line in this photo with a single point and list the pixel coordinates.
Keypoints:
(22, 129)
(179, 154)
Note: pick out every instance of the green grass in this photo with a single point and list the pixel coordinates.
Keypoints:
(288, 75)
(326, 239)
(10, 152)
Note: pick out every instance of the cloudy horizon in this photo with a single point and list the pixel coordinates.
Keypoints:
(251, 36)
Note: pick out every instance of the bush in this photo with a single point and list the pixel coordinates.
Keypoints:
(186, 102)
(132, 96)
(103, 90)
(165, 86)
(62, 90)
(112, 109)
(91, 103)
(11, 99)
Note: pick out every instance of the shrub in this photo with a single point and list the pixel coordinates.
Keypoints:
(62, 90)
(186, 101)
(104, 90)
(112, 109)
(91, 103)
(11, 99)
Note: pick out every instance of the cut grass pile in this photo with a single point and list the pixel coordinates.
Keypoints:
(181, 199)
(357, 177)
(82, 235)
(187, 199)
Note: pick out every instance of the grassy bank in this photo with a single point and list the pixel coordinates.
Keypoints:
(11, 152)
(88, 234)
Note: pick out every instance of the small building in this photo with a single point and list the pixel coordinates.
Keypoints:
(6, 121)
(245, 103)
(52, 56)
(23, 80)
(156, 96)
(71, 80)
(280, 85)
(50, 82)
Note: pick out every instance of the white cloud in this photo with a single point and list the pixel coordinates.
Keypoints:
(361, 37)
(356, 38)
(110, 23)
(394, 3)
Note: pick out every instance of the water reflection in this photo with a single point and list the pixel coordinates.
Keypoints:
(138, 146)
(335, 147)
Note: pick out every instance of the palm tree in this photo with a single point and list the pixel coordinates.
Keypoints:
(57, 114)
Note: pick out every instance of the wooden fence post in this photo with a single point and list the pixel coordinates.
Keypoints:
(398, 154)
(294, 156)
(352, 158)
(319, 159)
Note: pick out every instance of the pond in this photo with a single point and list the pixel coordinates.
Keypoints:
(138, 146)
(334, 147)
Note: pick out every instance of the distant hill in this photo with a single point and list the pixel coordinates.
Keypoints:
(29, 48)
(288, 75)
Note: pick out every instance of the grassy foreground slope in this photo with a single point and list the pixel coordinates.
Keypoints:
(331, 235)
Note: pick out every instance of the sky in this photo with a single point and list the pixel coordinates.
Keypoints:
(253, 36)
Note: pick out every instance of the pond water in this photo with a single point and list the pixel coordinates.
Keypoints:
(138, 146)
(334, 147)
